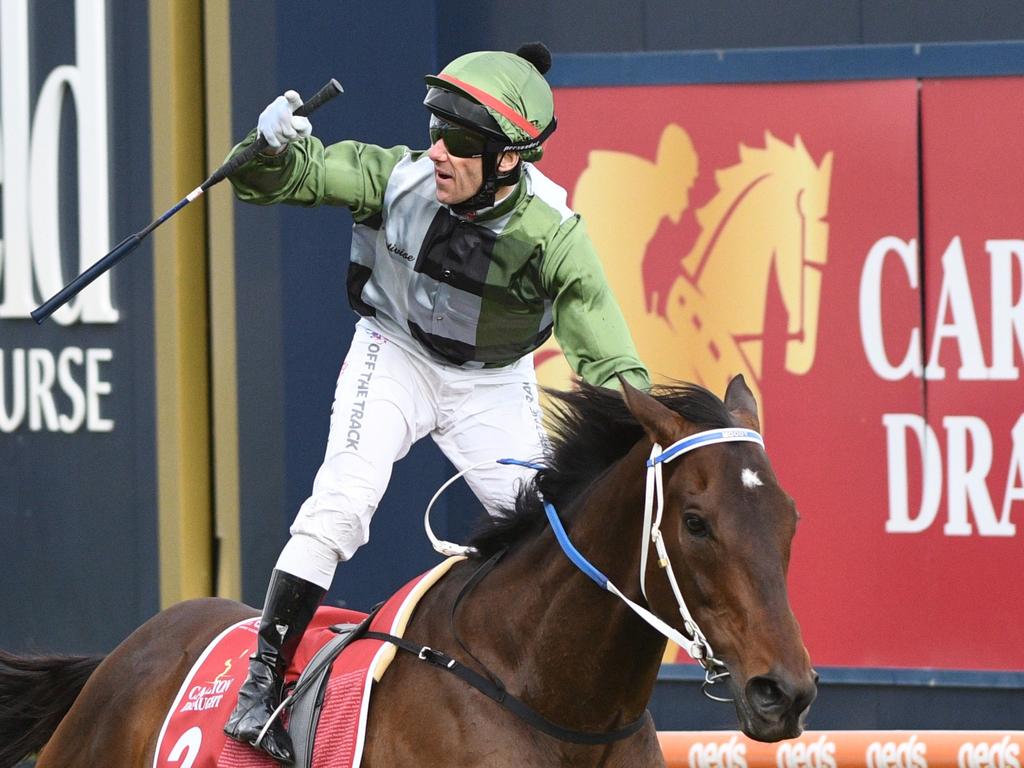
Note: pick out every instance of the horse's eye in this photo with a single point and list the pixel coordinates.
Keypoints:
(695, 524)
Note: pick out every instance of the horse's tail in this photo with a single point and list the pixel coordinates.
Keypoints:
(35, 694)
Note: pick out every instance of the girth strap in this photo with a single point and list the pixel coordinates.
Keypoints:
(507, 700)
(307, 699)
(305, 709)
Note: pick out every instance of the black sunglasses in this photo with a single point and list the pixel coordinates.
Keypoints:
(458, 141)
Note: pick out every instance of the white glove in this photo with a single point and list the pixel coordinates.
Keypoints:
(278, 125)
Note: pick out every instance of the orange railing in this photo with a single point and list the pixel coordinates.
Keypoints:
(846, 749)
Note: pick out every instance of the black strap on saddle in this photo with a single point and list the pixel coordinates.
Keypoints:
(308, 693)
(503, 697)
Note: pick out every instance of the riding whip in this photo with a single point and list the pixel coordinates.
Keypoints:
(130, 243)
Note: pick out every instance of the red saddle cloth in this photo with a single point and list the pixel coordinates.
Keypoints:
(192, 735)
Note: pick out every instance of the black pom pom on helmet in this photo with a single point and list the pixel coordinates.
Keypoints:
(537, 54)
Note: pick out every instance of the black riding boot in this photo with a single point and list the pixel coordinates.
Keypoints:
(290, 605)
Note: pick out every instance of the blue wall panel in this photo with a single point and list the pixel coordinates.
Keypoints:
(695, 24)
(78, 508)
(860, 699)
(919, 21)
(604, 26)
(596, 25)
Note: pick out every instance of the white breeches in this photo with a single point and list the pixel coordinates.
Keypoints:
(388, 397)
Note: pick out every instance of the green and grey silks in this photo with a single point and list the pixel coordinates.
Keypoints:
(476, 293)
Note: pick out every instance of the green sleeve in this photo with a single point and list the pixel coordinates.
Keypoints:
(348, 173)
(588, 322)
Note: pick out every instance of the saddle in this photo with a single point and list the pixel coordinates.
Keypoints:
(330, 698)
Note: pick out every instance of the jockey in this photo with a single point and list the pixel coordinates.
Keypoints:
(464, 260)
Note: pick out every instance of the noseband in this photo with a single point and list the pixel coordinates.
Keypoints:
(692, 639)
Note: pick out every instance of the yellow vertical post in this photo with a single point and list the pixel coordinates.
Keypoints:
(180, 302)
(223, 357)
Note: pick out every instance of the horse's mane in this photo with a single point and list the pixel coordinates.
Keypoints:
(590, 429)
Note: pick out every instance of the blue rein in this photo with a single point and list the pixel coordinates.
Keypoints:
(574, 555)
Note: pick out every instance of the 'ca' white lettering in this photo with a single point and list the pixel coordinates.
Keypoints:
(955, 299)
(30, 255)
(955, 318)
(871, 322)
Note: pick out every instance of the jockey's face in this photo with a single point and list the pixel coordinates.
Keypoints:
(457, 178)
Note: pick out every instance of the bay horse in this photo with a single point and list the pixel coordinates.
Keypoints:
(581, 657)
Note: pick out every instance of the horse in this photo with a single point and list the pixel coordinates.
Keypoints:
(518, 610)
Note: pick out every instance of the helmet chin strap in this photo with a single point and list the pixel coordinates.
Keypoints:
(484, 197)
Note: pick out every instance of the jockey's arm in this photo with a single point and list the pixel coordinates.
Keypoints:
(589, 324)
(348, 173)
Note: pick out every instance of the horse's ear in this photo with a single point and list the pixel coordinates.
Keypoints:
(741, 404)
(661, 424)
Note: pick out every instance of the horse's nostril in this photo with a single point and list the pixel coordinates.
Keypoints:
(765, 694)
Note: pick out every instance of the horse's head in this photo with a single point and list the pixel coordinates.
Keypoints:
(727, 527)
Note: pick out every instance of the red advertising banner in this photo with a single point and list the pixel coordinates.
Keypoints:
(774, 231)
(962, 519)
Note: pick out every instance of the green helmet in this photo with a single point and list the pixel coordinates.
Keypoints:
(502, 95)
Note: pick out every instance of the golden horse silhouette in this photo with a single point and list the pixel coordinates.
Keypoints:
(764, 227)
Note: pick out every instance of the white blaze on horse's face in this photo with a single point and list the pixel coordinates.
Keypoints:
(750, 478)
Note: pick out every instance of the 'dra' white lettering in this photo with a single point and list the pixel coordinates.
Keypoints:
(967, 466)
(30, 258)
(955, 318)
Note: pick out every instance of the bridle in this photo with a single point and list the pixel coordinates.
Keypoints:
(691, 638)
(694, 641)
